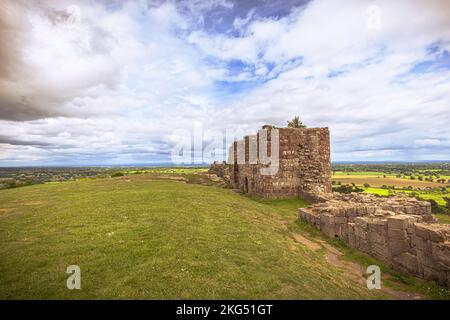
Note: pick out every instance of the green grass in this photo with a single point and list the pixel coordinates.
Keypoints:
(157, 239)
(378, 191)
(361, 173)
(175, 170)
(443, 218)
(438, 197)
(136, 238)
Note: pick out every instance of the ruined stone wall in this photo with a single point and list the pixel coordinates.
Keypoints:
(305, 155)
(304, 167)
(220, 169)
(399, 231)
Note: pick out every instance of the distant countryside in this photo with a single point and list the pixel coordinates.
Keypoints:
(426, 181)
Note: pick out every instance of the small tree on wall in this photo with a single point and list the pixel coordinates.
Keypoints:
(296, 123)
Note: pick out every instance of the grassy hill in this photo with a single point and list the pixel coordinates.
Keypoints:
(135, 237)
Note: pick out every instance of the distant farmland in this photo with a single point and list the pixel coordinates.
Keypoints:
(430, 181)
(375, 181)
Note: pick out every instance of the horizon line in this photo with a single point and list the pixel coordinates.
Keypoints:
(171, 164)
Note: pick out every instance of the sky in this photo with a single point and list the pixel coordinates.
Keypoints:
(129, 82)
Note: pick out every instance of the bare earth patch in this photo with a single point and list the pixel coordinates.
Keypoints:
(306, 242)
(353, 270)
(6, 211)
(33, 203)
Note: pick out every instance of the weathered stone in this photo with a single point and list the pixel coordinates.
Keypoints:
(397, 246)
(400, 239)
(397, 222)
(436, 234)
(376, 237)
(304, 163)
(340, 219)
(409, 262)
(441, 253)
(432, 232)
(421, 231)
(396, 234)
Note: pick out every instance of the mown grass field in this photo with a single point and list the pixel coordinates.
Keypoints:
(137, 238)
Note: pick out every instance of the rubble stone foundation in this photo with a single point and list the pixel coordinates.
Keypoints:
(400, 231)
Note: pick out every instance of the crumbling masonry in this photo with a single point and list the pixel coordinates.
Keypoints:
(302, 167)
(400, 231)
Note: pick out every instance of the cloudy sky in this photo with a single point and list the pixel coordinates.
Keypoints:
(123, 82)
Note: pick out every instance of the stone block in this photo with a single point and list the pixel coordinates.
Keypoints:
(432, 232)
(341, 212)
(351, 228)
(351, 212)
(441, 253)
(425, 257)
(421, 231)
(340, 219)
(408, 262)
(436, 234)
(360, 232)
(341, 230)
(361, 222)
(329, 231)
(375, 237)
(328, 219)
(397, 222)
(397, 246)
(409, 209)
(364, 245)
(351, 240)
(380, 251)
(396, 234)
(361, 211)
(430, 273)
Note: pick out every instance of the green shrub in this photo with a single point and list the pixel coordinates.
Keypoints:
(347, 189)
(117, 174)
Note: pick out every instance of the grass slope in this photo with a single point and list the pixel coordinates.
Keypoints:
(158, 239)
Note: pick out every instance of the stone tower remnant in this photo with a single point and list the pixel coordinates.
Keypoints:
(282, 163)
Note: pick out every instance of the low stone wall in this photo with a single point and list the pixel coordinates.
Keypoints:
(400, 231)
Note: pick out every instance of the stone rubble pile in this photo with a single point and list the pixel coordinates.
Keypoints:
(400, 231)
(220, 169)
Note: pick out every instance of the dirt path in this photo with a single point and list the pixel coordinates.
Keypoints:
(353, 271)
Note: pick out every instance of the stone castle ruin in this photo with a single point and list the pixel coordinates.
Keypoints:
(295, 162)
(281, 163)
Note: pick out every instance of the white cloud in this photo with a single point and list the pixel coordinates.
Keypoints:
(115, 86)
